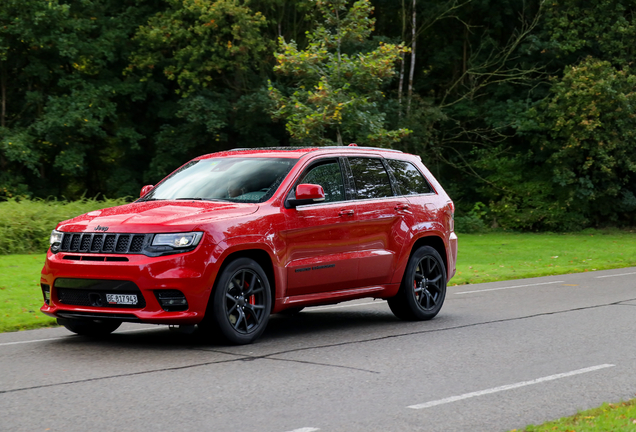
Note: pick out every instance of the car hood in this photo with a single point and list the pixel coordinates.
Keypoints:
(156, 216)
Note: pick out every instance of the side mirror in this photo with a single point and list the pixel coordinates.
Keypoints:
(145, 190)
(306, 194)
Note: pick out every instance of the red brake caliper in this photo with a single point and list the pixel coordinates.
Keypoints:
(252, 299)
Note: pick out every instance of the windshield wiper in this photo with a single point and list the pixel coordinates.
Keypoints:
(200, 199)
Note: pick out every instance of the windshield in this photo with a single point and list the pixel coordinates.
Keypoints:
(249, 180)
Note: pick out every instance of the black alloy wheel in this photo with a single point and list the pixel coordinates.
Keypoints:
(241, 302)
(423, 288)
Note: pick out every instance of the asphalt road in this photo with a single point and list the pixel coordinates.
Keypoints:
(498, 357)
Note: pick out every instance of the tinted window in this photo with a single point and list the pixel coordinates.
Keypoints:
(328, 176)
(227, 179)
(370, 177)
(409, 179)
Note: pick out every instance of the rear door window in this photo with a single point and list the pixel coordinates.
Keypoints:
(370, 178)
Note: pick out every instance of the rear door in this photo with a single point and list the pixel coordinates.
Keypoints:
(382, 220)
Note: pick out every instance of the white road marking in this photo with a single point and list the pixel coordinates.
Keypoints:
(307, 429)
(510, 287)
(510, 387)
(69, 336)
(343, 306)
(622, 274)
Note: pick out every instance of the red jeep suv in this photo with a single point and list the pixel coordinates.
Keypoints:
(232, 237)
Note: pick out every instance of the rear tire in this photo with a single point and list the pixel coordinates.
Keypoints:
(423, 288)
(241, 303)
(91, 328)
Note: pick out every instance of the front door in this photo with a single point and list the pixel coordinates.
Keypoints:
(321, 253)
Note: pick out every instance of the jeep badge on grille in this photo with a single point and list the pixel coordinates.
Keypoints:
(101, 228)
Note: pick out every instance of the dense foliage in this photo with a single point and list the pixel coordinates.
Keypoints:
(25, 225)
(523, 110)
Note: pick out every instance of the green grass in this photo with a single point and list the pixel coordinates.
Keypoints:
(20, 293)
(606, 418)
(504, 256)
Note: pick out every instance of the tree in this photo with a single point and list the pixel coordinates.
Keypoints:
(212, 55)
(61, 128)
(576, 166)
(603, 29)
(590, 135)
(334, 92)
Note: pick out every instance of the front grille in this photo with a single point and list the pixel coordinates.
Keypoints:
(122, 243)
(95, 258)
(104, 243)
(98, 241)
(92, 292)
(137, 243)
(75, 241)
(109, 243)
(86, 243)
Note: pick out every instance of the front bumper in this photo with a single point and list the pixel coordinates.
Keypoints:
(192, 273)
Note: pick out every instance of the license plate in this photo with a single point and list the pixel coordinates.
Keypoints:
(126, 299)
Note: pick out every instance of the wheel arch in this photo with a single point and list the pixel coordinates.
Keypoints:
(262, 258)
(436, 243)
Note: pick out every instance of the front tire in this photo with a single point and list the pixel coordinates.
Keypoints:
(93, 328)
(241, 302)
(423, 288)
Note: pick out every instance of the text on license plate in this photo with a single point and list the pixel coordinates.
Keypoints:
(127, 299)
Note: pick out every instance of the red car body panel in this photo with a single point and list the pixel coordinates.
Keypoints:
(315, 254)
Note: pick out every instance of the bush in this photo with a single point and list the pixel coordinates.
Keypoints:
(469, 225)
(473, 221)
(25, 225)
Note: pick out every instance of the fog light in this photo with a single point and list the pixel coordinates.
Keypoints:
(172, 300)
(46, 292)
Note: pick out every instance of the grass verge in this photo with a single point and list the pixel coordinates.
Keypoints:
(20, 293)
(503, 256)
(608, 417)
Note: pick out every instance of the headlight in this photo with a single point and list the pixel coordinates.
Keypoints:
(55, 240)
(180, 240)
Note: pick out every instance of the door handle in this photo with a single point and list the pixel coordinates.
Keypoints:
(401, 206)
(348, 212)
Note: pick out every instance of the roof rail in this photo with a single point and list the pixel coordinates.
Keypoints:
(312, 149)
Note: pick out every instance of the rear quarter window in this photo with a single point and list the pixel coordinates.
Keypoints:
(409, 179)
